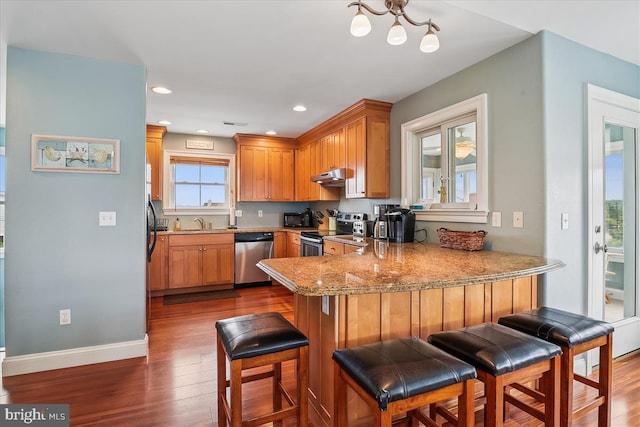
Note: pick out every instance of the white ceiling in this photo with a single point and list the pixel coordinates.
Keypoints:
(252, 61)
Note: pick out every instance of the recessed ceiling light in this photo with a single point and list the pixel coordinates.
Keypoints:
(161, 90)
(164, 122)
(300, 108)
(202, 131)
(271, 132)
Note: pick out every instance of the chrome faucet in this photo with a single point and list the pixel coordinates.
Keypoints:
(200, 221)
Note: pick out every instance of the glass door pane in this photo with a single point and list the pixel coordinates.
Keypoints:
(620, 216)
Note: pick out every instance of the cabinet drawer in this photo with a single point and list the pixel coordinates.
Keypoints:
(294, 238)
(332, 248)
(200, 239)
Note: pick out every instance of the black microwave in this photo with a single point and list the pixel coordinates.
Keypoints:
(297, 219)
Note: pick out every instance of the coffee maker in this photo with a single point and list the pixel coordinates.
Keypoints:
(380, 226)
(401, 225)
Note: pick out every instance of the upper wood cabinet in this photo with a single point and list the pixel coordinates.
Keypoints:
(356, 139)
(154, 158)
(265, 168)
(367, 142)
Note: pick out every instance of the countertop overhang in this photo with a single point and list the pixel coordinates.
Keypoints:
(382, 267)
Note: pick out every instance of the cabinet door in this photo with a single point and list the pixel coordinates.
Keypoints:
(293, 245)
(279, 244)
(154, 157)
(252, 173)
(303, 174)
(356, 159)
(315, 168)
(185, 266)
(377, 158)
(280, 174)
(218, 264)
(158, 265)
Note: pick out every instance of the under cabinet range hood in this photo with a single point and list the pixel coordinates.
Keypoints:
(332, 178)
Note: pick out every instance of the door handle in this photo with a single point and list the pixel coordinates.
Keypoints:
(598, 247)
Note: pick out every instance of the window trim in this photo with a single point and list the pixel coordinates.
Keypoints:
(168, 204)
(452, 212)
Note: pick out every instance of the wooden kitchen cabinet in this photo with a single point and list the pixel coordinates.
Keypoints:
(356, 139)
(154, 158)
(293, 244)
(279, 244)
(308, 163)
(157, 272)
(333, 151)
(265, 168)
(303, 174)
(367, 158)
(201, 260)
(330, 247)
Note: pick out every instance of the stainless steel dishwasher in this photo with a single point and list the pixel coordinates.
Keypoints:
(251, 248)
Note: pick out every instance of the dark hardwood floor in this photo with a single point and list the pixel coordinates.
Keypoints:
(175, 385)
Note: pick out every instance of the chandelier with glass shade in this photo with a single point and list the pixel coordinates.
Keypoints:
(360, 25)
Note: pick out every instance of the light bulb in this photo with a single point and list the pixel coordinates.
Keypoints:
(360, 25)
(430, 42)
(397, 35)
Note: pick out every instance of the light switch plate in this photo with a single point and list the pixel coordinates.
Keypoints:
(496, 219)
(565, 221)
(107, 219)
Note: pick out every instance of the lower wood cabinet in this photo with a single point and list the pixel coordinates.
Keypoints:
(293, 245)
(280, 244)
(329, 247)
(157, 268)
(200, 260)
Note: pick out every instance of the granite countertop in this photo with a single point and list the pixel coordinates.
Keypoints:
(225, 230)
(380, 267)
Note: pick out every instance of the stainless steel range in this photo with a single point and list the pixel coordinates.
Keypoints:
(311, 241)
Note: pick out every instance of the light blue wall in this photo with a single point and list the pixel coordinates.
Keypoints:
(512, 80)
(537, 149)
(567, 68)
(58, 257)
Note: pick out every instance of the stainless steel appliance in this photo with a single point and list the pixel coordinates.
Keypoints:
(401, 224)
(311, 241)
(251, 248)
(297, 219)
(380, 226)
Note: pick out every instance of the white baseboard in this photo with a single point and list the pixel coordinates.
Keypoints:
(26, 364)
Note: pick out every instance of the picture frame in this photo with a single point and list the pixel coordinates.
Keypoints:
(53, 153)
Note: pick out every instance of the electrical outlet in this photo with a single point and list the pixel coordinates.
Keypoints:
(518, 220)
(496, 219)
(107, 219)
(65, 316)
(238, 213)
(260, 213)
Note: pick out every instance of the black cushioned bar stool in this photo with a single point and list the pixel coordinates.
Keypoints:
(401, 375)
(503, 356)
(575, 334)
(259, 340)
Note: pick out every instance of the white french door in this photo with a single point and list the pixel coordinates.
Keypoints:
(614, 203)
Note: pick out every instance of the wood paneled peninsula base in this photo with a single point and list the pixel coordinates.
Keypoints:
(392, 290)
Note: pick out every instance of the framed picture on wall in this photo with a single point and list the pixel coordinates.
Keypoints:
(74, 154)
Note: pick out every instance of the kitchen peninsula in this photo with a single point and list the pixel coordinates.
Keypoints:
(384, 291)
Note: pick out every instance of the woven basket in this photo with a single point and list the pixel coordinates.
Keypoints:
(464, 240)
